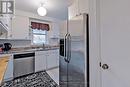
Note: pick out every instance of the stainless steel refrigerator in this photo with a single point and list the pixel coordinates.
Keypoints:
(74, 55)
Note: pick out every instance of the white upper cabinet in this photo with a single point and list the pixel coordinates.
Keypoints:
(78, 7)
(5, 27)
(73, 9)
(83, 6)
(20, 27)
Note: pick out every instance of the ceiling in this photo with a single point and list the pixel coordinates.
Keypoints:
(55, 8)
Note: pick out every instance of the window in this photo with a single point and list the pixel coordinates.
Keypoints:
(39, 36)
(39, 32)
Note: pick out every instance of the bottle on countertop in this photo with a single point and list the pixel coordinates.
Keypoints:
(1, 47)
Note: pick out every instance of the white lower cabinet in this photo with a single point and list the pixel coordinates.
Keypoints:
(40, 61)
(9, 71)
(46, 59)
(52, 59)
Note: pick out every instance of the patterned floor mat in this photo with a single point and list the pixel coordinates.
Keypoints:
(39, 79)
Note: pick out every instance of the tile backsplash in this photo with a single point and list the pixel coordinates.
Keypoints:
(16, 43)
(26, 43)
(53, 41)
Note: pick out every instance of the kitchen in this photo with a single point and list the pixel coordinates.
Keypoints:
(29, 50)
(64, 43)
(30, 43)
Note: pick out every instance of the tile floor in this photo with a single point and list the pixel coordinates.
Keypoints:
(54, 74)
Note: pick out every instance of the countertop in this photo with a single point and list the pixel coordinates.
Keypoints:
(29, 49)
(3, 65)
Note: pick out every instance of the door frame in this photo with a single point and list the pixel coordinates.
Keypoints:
(95, 42)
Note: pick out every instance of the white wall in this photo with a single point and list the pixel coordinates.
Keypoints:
(35, 16)
(21, 43)
(44, 19)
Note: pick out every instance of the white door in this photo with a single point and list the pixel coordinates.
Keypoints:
(115, 42)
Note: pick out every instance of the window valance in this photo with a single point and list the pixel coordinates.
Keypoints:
(40, 26)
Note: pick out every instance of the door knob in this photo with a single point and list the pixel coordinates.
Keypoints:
(105, 66)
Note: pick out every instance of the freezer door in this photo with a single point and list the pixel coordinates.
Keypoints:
(76, 26)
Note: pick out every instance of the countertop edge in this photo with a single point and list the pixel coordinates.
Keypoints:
(3, 66)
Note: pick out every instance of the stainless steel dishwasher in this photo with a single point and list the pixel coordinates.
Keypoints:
(23, 63)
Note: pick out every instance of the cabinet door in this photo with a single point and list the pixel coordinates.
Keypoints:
(57, 57)
(9, 70)
(20, 27)
(73, 9)
(52, 59)
(83, 6)
(5, 33)
(78, 7)
(40, 61)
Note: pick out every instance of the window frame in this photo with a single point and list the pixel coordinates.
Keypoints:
(31, 30)
(39, 34)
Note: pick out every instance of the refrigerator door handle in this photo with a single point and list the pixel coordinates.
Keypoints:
(69, 48)
(65, 47)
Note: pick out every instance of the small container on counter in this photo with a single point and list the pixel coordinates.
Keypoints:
(1, 47)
